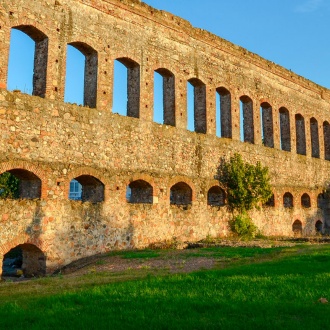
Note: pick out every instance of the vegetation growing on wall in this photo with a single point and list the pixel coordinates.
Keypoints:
(246, 186)
(8, 186)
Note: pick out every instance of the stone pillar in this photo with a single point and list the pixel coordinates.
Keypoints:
(211, 121)
(4, 51)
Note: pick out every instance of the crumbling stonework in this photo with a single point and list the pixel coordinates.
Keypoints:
(46, 143)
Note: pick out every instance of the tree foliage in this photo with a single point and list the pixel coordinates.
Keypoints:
(8, 186)
(246, 185)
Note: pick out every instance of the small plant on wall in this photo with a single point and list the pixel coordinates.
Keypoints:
(8, 186)
(246, 186)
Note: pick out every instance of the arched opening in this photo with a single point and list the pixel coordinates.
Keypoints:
(28, 75)
(85, 76)
(180, 194)
(25, 259)
(305, 201)
(246, 119)
(323, 203)
(216, 196)
(86, 188)
(19, 184)
(315, 144)
(199, 105)
(326, 134)
(139, 192)
(164, 97)
(297, 228)
(267, 131)
(287, 200)
(271, 201)
(285, 129)
(224, 121)
(126, 88)
(318, 226)
(300, 134)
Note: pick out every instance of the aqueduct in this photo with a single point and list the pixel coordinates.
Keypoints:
(171, 172)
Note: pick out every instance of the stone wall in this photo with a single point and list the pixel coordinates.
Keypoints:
(43, 137)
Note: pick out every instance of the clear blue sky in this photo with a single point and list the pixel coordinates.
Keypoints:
(292, 33)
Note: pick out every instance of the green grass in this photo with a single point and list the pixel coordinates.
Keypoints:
(272, 289)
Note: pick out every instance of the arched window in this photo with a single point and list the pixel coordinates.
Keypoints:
(224, 121)
(139, 192)
(267, 130)
(285, 129)
(180, 194)
(126, 88)
(287, 200)
(314, 128)
(37, 74)
(318, 226)
(199, 108)
(326, 134)
(164, 97)
(89, 69)
(24, 259)
(297, 228)
(246, 119)
(300, 135)
(216, 196)
(305, 201)
(19, 183)
(271, 201)
(90, 189)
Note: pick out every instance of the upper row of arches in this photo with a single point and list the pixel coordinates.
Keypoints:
(129, 93)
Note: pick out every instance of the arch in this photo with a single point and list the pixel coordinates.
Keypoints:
(321, 201)
(27, 185)
(140, 192)
(132, 97)
(246, 118)
(39, 79)
(271, 201)
(305, 201)
(92, 189)
(216, 196)
(300, 134)
(287, 200)
(225, 112)
(315, 143)
(326, 135)
(180, 194)
(318, 226)
(26, 259)
(90, 73)
(199, 105)
(168, 96)
(297, 228)
(267, 124)
(285, 132)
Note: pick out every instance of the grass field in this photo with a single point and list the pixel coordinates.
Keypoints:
(275, 288)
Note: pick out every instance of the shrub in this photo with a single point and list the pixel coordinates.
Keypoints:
(243, 226)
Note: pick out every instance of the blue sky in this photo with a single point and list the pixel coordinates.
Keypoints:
(291, 33)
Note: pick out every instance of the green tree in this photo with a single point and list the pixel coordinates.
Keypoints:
(246, 186)
(8, 186)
